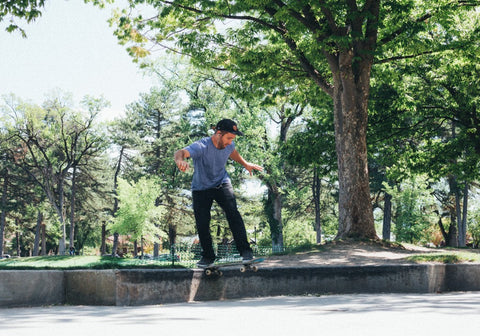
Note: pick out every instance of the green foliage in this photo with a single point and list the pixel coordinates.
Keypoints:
(423, 107)
(137, 214)
(274, 47)
(314, 145)
(28, 10)
(47, 144)
(474, 228)
(423, 114)
(413, 205)
(299, 233)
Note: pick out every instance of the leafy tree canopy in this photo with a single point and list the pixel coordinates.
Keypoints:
(28, 10)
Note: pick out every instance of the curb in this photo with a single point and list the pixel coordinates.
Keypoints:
(158, 286)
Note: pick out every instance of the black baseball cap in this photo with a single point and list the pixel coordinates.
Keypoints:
(228, 125)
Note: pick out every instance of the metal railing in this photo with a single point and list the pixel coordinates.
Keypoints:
(187, 255)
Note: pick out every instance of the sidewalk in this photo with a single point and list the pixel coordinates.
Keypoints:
(376, 314)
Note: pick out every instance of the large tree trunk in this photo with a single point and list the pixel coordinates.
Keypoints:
(350, 109)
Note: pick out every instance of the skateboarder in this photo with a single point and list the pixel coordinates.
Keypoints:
(211, 182)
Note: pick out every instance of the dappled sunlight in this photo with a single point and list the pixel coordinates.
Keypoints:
(364, 254)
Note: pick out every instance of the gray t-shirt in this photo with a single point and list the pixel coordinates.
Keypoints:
(209, 163)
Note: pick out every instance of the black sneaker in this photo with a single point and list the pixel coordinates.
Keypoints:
(205, 262)
(247, 257)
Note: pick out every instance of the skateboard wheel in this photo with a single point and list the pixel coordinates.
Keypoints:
(243, 269)
(220, 273)
(208, 272)
(254, 268)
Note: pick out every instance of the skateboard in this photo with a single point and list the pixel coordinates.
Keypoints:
(250, 266)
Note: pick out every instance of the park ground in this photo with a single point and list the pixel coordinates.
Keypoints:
(340, 253)
(334, 253)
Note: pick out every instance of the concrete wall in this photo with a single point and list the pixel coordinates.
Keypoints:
(31, 288)
(153, 287)
(141, 287)
(91, 287)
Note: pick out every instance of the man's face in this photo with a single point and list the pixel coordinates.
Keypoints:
(225, 139)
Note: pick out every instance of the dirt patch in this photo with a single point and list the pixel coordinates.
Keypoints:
(353, 253)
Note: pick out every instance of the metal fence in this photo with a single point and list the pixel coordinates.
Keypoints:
(187, 255)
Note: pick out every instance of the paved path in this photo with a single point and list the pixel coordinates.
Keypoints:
(382, 314)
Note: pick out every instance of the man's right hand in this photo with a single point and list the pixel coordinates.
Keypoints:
(180, 157)
(182, 165)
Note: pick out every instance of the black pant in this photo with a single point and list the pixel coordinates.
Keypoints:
(202, 205)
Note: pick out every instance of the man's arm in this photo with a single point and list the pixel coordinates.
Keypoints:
(180, 157)
(235, 156)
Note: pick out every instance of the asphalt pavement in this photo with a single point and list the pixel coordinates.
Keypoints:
(379, 314)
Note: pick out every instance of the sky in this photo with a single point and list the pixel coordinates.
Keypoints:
(71, 47)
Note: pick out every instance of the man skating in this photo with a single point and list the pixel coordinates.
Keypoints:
(211, 182)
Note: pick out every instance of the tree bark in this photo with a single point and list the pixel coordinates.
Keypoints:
(3, 214)
(274, 214)
(172, 233)
(465, 214)
(316, 188)
(462, 217)
(115, 244)
(17, 237)
(63, 237)
(274, 205)
(387, 217)
(115, 199)
(44, 239)
(36, 242)
(72, 209)
(350, 118)
(103, 247)
(452, 236)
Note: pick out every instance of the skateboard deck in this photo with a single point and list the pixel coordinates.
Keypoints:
(250, 266)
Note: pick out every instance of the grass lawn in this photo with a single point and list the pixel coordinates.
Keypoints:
(80, 262)
(446, 257)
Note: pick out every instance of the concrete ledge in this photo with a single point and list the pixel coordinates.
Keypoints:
(462, 277)
(31, 288)
(142, 287)
(91, 287)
